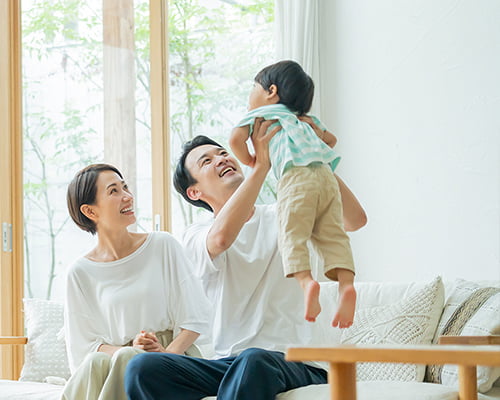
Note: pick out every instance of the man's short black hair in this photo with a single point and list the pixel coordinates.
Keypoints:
(295, 87)
(182, 177)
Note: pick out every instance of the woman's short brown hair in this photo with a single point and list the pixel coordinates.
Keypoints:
(83, 190)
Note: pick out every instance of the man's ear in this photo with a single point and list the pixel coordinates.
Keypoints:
(193, 193)
(88, 211)
(272, 93)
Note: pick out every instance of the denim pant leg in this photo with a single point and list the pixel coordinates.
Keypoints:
(172, 376)
(261, 374)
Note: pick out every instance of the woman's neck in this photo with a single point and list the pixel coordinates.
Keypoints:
(112, 246)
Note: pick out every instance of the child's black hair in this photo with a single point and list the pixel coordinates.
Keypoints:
(295, 87)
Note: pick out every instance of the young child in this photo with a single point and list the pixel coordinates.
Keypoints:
(309, 203)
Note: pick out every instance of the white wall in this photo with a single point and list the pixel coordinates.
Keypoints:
(412, 89)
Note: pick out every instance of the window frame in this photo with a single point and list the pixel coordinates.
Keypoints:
(11, 172)
(160, 115)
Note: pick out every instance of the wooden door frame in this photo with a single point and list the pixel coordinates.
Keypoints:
(11, 176)
(160, 118)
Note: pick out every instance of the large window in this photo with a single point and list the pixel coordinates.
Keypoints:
(86, 99)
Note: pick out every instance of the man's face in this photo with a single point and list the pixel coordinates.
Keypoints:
(215, 171)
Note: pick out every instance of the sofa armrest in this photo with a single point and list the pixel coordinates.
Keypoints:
(13, 340)
(471, 340)
(343, 359)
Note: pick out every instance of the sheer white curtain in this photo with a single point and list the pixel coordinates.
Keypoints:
(297, 38)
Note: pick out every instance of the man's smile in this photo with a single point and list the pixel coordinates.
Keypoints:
(225, 170)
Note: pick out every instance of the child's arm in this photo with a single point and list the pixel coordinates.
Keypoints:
(238, 144)
(329, 138)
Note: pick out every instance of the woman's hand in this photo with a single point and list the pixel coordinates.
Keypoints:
(147, 341)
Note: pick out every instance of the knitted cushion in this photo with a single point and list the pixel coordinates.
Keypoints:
(45, 352)
(411, 320)
(471, 310)
(376, 391)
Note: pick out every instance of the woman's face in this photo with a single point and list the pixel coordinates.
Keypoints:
(114, 203)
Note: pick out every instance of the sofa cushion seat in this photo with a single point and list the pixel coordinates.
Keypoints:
(379, 390)
(17, 390)
(368, 390)
(385, 390)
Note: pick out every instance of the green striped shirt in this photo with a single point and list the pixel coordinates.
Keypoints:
(296, 144)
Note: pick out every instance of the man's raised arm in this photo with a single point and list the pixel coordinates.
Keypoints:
(240, 207)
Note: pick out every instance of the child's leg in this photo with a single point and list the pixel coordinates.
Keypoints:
(296, 214)
(311, 294)
(333, 244)
(344, 315)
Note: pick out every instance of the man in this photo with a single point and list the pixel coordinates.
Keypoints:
(255, 307)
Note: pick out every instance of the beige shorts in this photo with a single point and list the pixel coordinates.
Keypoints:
(310, 209)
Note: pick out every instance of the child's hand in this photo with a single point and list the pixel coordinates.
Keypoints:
(327, 137)
(309, 120)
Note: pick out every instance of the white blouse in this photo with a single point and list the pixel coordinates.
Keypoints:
(152, 289)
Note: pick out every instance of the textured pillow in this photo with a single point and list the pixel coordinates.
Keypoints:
(411, 320)
(471, 310)
(45, 352)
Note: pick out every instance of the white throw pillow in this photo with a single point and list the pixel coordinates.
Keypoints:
(471, 310)
(412, 320)
(45, 352)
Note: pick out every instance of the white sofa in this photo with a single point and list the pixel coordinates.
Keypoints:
(390, 313)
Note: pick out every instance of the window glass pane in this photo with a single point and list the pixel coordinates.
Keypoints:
(216, 49)
(85, 100)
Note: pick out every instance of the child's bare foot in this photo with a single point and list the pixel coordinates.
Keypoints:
(311, 301)
(345, 313)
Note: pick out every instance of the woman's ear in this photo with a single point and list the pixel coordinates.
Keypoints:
(193, 193)
(88, 211)
(272, 93)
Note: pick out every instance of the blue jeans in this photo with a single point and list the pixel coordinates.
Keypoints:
(255, 374)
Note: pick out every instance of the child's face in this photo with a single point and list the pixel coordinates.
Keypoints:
(258, 97)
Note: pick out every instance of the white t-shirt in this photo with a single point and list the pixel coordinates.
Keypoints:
(152, 289)
(255, 305)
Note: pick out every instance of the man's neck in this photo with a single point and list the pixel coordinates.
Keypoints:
(222, 199)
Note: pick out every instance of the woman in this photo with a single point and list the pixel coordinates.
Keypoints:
(127, 294)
